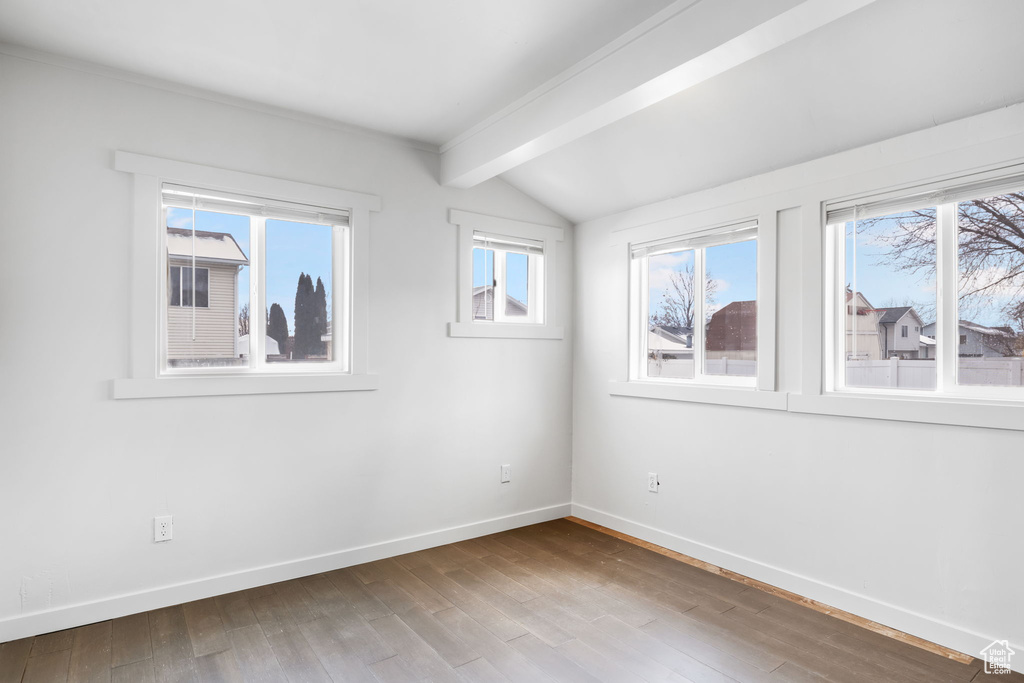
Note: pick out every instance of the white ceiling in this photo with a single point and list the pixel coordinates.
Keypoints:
(888, 69)
(420, 69)
(440, 71)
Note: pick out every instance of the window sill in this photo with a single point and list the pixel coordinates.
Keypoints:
(505, 331)
(957, 411)
(720, 395)
(170, 387)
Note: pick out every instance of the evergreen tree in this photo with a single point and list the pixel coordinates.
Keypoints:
(320, 305)
(307, 338)
(277, 326)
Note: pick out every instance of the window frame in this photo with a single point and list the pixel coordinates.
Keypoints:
(542, 279)
(762, 392)
(181, 286)
(147, 373)
(640, 306)
(947, 336)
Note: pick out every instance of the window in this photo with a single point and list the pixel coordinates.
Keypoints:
(238, 275)
(695, 307)
(952, 259)
(507, 271)
(184, 281)
(257, 255)
(506, 278)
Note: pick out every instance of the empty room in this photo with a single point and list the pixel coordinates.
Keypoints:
(512, 340)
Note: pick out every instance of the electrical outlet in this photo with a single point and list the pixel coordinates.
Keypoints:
(163, 528)
(506, 474)
(652, 482)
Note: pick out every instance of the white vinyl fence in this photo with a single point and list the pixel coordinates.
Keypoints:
(920, 374)
(683, 368)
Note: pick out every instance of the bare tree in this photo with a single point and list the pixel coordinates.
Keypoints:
(243, 320)
(991, 250)
(677, 300)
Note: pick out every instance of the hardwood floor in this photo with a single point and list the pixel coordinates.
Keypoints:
(554, 601)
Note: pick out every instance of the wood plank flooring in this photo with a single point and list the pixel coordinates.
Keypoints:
(550, 602)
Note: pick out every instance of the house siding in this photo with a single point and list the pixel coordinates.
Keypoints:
(215, 325)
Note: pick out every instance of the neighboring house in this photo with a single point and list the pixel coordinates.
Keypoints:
(483, 304)
(732, 332)
(670, 342)
(980, 341)
(212, 295)
(863, 338)
(900, 332)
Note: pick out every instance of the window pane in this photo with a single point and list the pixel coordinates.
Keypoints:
(730, 287)
(991, 297)
(483, 284)
(890, 282)
(174, 285)
(517, 271)
(209, 333)
(671, 315)
(299, 284)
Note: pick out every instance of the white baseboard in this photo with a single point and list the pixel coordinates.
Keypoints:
(939, 632)
(69, 616)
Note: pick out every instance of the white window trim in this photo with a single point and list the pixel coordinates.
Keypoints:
(818, 395)
(145, 378)
(763, 394)
(465, 326)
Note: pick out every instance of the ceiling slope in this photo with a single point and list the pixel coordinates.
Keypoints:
(684, 45)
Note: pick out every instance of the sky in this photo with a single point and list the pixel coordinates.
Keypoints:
(516, 272)
(884, 285)
(292, 248)
(733, 267)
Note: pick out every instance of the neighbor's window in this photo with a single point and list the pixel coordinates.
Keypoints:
(185, 281)
(251, 283)
(697, 297)
(950, 265)
(507, 282)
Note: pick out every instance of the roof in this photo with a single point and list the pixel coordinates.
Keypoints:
(989, 331)
(891, 315)
(483, 297)
(209, 246)
(927, 341)
(677, 335)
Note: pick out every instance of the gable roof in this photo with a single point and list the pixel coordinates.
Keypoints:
(483, 304)
(219, 247)
(893, 314)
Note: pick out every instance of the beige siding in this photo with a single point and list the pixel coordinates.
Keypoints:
(215, 326)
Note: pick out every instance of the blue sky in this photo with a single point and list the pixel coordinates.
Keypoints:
(733, 267)
(516, 272)
(292, 248)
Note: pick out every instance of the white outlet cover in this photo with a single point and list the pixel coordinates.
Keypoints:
(506, 474)
(163, 528)
(652, 482)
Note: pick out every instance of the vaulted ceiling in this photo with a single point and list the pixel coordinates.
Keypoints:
(590, 106)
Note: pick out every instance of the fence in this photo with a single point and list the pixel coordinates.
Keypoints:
(920, 374)
(683, 368)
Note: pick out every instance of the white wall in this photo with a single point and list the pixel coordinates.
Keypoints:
(252, 481)
(918, 526)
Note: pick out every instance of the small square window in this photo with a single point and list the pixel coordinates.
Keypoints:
(506, 271)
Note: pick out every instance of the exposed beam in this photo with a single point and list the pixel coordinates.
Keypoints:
(688, 43)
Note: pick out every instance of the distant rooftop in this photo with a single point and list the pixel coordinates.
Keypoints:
(209, 246)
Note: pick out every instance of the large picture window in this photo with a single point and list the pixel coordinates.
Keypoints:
(928, 291)
(695, 307)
